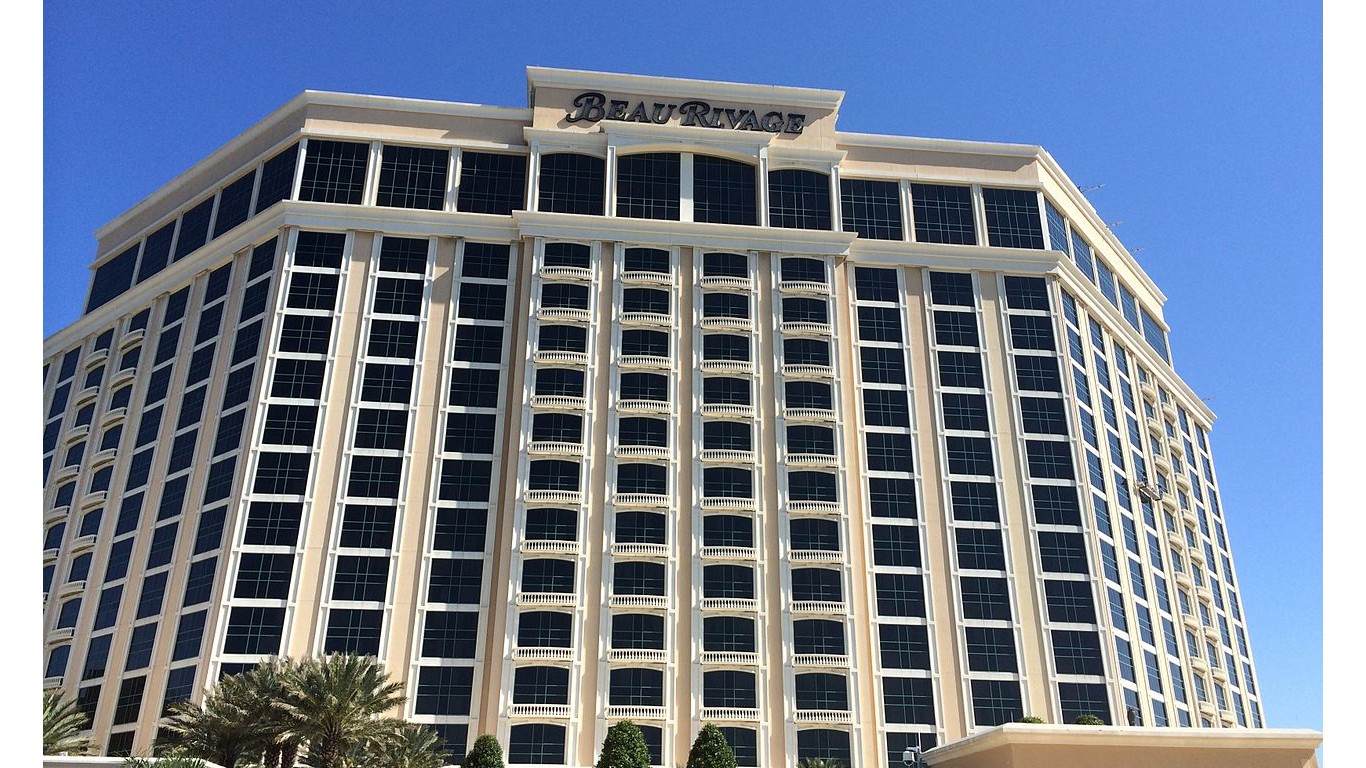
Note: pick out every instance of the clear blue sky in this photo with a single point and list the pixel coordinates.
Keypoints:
(1202, 120)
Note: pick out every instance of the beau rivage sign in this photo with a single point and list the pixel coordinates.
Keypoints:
(592, 107)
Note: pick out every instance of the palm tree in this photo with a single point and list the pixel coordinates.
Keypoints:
(264, 689)
(62, 723)
(820, 762)
(221, 730)
(406, 745)
(334, 705)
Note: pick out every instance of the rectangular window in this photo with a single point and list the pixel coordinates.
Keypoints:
(1013, 218)
(572, 183)
(871, 208)
(334, 171)
(648, 186)
(412, 177)
(491, 183)
(798, 199)
(724, 191)
(943, 214)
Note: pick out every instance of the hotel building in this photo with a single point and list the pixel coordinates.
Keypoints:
(662, 400)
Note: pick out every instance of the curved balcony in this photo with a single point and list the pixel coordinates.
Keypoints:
(1189, 619)
(558, 357)
(86, 395)
(812, 460)
(727, 324)
(71, 588)
(1178, 448)
(50, 554)
(559, 711)
(731, 658)
(94, 499)
(818, 606)
(103, 457)
(1169, 502)
(553, 497)
(554, 448)
(807, 370)
(814, 507)
(82, 543)
(50, 683)
(564, 599)
(729, 553)
(122, 377)
(646, 318)
(816, 556)
(826, 660)
(76, 433)
(731, 410)
(657, 452)
(1199, 665)
(726, 456)
(638, 656)
(729, 714)
(1148, 390)
(1219, 674)
(558, 402)
(821, 716)
(1207, 709)
(543, 654)
(549, 547)
(1162, 462)
(640, 500)
(566, 273)
(728, 502)
(1169, 408)
(96, 357)
(804, 328)
(636, 712)
(656, 602)
(1212, 634)
(57, 513)
(644, 406)
(563, 314)
(1154, 427)
(641, 277)
(1183, 481)
(803, 286)
(727, 366)
(746, 604)
(1189, 516)
(643, 361)
(808, 414)
(727, 283)
(1178, 544)
(60, 634)
(132, 337)
(640, 549)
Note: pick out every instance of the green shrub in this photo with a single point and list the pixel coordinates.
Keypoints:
(624, 747)
(1088, 720)
(484, 754)
(711, 750)
(1030, 719)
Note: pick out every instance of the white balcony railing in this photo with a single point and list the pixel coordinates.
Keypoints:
(804, 328)
(814, 507)
(727, 324)
(639, 549)
(727, 366)
(821, 716)
(566, 273)
(819, 660)
(539, 710)
(803, 286)
(550, 547)
(816, 556)
(818, 606)
(732, 410)
(646, 318)
(727, 456)
(553, 497)
(638, 655)
(643, 361)
(658, 602)
(729, 553)
(640, 500)
(563, 314)
(643, 451)
(554, 448)
(812, 460)
(727, 502)
(807, 370)
(542, 654)
(547, 598)
(729, 604)
(643, 406)
(641, 277)
(729, 714)
(731, 658)
(636, 712)
(558, 402)
(729, 283)
(808, 414)
(560, 357)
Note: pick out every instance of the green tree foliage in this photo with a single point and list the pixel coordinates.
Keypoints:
(1088, 720)
(484, 754)
(820, 762)
(624, 747)
(1030, 719)
(404, 745)
(221, 730)
(334, 706)
(711, 750)
(62, 724)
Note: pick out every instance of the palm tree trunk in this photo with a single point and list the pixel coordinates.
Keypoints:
(289, 753)
(271, 759)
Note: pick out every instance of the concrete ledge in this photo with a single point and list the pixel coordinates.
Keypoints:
(1021, 745)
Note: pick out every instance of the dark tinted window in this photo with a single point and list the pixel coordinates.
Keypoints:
(491, 183)
(648, 186)
(798, 199)
(1013, 218)
(412, 177)
(724, 191)
(334, 171)
(943, 214)
(572, 183)
(871, 208)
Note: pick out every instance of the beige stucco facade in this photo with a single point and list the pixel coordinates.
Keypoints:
(1156, 421)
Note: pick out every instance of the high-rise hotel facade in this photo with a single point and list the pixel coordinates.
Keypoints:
(661, 400)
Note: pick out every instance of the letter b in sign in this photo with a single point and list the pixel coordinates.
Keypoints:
(589, 106)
